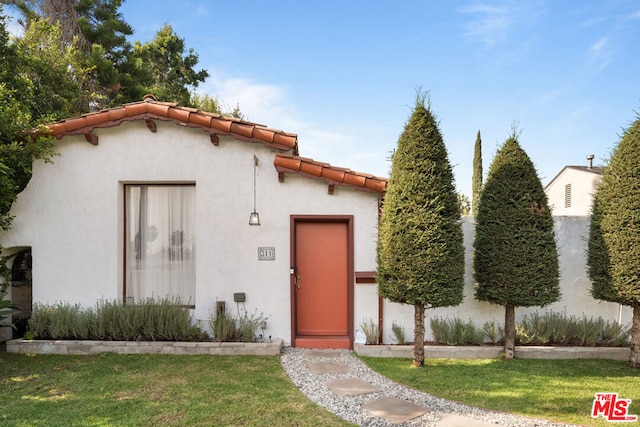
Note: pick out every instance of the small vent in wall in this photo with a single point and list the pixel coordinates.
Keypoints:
(567, 196)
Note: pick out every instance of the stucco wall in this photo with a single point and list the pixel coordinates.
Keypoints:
(71, 215)
(571, 234)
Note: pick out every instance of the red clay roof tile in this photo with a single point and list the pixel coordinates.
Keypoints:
(201, 120)
(115, 115)
(333, 175)
(242, 129)
(178, 115)
(152, 109)
(159, 109)
(96, 119)
(136, 109)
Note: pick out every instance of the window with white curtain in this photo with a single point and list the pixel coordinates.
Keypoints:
(160, 242)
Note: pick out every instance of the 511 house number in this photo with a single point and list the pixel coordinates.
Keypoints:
(266, 253)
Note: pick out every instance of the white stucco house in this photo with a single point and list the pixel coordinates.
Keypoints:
(151, 199)
(572, 190)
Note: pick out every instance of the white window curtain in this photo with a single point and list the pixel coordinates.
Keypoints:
(160, 252)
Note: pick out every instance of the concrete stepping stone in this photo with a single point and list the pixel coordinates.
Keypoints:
(393, 409)
(328, 368)
(351, 387)
(328, 354)
(460, 421)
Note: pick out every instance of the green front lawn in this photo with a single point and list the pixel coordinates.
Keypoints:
(559, 390)
(148, 390)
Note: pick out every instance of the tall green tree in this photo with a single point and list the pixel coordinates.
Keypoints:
(420, 245)
(614, 237)
(98, 34)
(476, 184)
(169, 66)
(51, 74)
(516, 258)
(118, 71)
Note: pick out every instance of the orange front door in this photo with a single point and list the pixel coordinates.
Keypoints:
(321, 284)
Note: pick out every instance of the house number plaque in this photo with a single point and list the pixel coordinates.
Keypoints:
(266, 253)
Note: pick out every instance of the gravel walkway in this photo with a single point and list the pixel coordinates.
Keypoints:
(295, 360)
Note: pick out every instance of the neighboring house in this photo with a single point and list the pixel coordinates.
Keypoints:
(571, 191)
(151, 199)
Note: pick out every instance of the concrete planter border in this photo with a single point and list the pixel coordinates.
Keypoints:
(86, 347)
(493, 352)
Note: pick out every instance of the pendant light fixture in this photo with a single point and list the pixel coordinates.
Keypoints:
(254, 218)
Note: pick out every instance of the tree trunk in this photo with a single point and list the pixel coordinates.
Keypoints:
(418, 333)
(634, 359)
(509, 332)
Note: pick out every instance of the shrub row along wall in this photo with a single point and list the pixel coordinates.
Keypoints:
(534, 329)
(576, 300)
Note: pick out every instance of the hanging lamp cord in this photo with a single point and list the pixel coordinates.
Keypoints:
(255, 166)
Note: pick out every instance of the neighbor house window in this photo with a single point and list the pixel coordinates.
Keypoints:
(567, 196)
(160, 242)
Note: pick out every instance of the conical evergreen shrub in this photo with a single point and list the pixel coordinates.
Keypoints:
(614, 238)
(516, 258)
(420, 244)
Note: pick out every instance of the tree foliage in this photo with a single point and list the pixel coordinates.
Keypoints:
(420, 244)
(117, 71)
(476, 179)
(515, 258)
(614, 238)
(168, 67)
(464, 204)
(420, 252)
(215, 105)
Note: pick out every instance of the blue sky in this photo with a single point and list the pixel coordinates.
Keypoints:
(343, 74)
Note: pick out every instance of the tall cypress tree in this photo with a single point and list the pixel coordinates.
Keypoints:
(614, 238)
(420, 247)
(515, 258)
(476, 179)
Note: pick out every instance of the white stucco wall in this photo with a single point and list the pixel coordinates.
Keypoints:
(572, 233)
(71, 215)
(583, 187)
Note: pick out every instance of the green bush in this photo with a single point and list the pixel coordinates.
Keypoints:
(548, 328)
(456, 332)
(228, 328)
(6, 309)
(560, 329)
(149, 320)
(371, 331)
(398, 333)
(494, 332)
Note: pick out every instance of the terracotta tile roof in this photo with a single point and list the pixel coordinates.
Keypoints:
(149, 109)
(331, 174)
